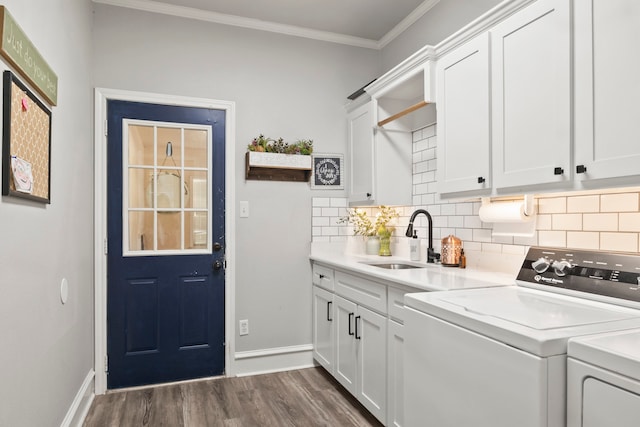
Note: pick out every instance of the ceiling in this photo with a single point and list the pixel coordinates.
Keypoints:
(364, 23)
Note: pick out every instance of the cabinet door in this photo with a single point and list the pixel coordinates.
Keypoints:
(395, 374)
(607, 88)
(531, 96)
(345, 366)
(463, 118)
(371, 337)
(323, 329)
(361, 154)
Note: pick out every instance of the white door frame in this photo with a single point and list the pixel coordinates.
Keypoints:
(102, 95)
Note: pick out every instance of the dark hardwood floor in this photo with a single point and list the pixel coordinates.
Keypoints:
(305, 397)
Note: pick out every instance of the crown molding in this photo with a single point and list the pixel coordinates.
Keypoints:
(239, 21)
(411, 19)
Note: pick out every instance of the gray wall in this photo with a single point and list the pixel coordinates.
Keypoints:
(444, 19)
(283, 87)
(47, 347)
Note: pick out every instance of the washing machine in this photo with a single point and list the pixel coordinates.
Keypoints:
(497, 357)
(603, 380)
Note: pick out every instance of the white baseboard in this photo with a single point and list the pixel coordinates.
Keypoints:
(81, 403)
(273, 360)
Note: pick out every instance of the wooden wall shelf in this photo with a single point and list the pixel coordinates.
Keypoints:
(277, 167)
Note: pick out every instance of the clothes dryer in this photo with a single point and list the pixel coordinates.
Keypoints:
(603, 380)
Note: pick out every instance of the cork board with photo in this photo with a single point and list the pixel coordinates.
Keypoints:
(26, 143)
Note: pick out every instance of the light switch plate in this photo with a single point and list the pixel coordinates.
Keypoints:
(244, 209)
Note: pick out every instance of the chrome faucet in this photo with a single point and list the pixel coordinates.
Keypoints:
(432, 256)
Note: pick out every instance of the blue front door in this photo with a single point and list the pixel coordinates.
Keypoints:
(165, 210)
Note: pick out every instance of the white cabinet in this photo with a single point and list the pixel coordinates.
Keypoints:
(607, 89)
(358, 338)
(380, 169)
(361, 154)
(464, 140)
(323, 328)
(395, 374)
(531, 96)
(360, 353)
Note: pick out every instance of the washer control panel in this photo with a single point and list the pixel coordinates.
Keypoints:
(609, 274)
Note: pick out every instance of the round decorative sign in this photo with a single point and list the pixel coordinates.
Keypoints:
(327, 171)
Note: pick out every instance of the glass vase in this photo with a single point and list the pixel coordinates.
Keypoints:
(385, 245)
(372, 245)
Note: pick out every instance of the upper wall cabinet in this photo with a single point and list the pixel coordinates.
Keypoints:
(464, 143)
(380, 171)
(531, 96)
(380, 132)
(607, 89)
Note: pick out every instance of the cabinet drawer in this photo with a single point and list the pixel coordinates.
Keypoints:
(323, 277)
(395, 302)
(362, 291)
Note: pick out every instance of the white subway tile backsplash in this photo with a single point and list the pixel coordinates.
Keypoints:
(566, 222)
(464, 209)
(456, 221)
(481, 235)
(629, 221)
(448, 209)
(624, 202)
(321, 201)
(556, 239)
(320, 221)
(583, 240)
(472, 221)
(600, 222)
(626, 242)
(582, 204)
(330, 212)
(589, 220)
(338, 202)
(552, 205)
(428, 132)
(544, 222)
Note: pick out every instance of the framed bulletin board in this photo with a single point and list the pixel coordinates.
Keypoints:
(328, 172)
(26, 143)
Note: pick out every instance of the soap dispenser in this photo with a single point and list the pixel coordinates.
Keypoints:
(414, 247)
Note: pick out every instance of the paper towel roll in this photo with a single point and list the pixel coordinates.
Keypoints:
(503, 212)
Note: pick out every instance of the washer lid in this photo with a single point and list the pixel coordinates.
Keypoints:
(535, 321)
(616, 351)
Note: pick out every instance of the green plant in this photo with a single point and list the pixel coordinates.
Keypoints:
(362, 224)
(264, 144)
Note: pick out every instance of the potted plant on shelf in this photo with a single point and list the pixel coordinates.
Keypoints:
(277, 155)
(378, 233)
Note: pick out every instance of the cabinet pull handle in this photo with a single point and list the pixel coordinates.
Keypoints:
(350, 317)
(357, 336)
(321, 276)
(481, 179)
(329, 311)
(581, 169)
(558, 171)
(368, 195)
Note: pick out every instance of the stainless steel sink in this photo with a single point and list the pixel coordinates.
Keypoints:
(397, 266)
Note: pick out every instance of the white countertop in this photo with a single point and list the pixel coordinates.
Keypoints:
(433, 277)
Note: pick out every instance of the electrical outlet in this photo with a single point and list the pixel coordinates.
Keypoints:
(244, 327)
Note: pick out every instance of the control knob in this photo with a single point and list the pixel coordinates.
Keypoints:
(540, 265)
(561, 268)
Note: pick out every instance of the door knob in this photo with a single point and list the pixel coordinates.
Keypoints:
(217, 246)
(217, 265)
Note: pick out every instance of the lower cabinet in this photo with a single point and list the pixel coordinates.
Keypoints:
(358, 338)
(323, 328)
(361, 338)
